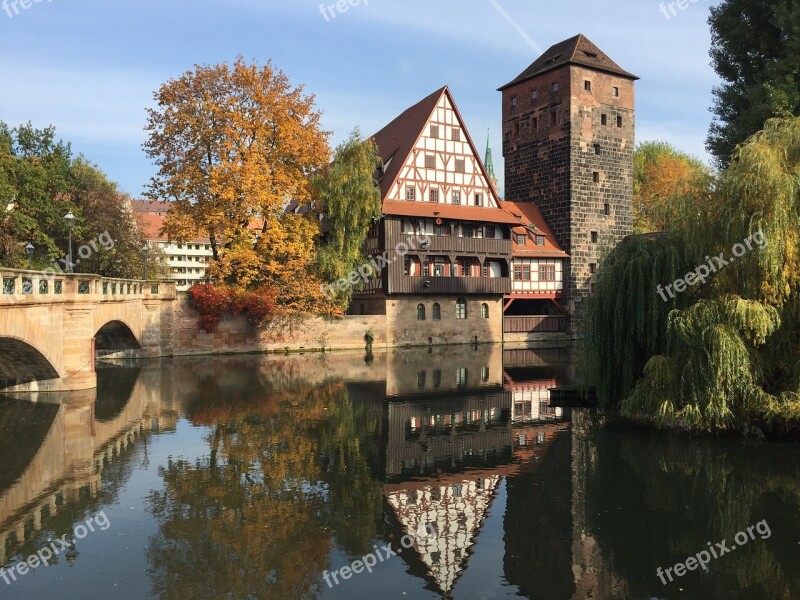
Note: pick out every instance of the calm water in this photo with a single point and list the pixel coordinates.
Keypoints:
(253, 477)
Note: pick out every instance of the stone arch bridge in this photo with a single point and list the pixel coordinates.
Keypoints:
(52, 326)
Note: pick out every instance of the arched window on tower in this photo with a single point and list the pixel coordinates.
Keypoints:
(461, 309)
(437, 312)
(420, 312)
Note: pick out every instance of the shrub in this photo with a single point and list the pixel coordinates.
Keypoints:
(214, 302)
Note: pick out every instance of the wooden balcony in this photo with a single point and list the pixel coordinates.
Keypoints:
(535, 324)
(459, 245)
(402, 284)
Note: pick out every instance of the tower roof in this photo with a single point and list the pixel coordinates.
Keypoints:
(576, 50)
(489, 161)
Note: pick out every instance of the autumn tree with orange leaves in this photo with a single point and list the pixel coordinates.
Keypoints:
(233, 145)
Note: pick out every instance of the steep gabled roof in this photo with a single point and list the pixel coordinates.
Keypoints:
(576, 50)
(397, 139)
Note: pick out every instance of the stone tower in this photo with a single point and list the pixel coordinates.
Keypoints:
(568, 137)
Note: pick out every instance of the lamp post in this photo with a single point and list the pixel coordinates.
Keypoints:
(29, 251)
(145, 250)
(69, 221)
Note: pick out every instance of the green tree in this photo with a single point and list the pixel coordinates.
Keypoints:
(724, 352)
(350, 202)
(756, 51)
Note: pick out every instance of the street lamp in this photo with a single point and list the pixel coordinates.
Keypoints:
(29, 251)
(69, 221)
(145, 250)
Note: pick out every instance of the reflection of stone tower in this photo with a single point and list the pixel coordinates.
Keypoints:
(568, 136)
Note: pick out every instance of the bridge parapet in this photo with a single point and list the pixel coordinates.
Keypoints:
(42, 287)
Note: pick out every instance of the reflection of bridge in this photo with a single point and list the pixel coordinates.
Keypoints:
(72, 449)
(50, 326)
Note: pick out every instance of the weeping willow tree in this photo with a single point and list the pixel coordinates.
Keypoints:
(725, 352)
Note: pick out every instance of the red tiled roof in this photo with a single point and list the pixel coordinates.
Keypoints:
(576, 50)
(448, 211)
(149, 206)
(151, 227)
(527, 213)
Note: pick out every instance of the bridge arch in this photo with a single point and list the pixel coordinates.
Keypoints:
(22, 363)
(115, 336)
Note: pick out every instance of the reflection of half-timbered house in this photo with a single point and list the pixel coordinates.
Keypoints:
(444, 234)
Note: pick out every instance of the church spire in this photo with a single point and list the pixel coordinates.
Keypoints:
(489, 161)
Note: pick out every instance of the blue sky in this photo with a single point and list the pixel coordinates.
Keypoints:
(90, 67)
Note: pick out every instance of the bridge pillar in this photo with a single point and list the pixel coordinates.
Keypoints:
(78, 349)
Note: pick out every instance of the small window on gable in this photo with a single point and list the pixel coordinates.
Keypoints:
(461, 165)
(456, 134)
(555, 87)
(434, 131)
(430, 161)
(603, 120)
(478, 199)
(534, 95)
(615, 92)
(513, 102)
(587, 85)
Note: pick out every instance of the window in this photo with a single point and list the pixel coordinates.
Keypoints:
(420, 384)
(434, 131)
(467, 230)
(540, 240)
(410, 193)
(534, 95)
(522, 272)
(430, 161)
(441, 230)
(484, 311)
(437, 378)
(587, 85)
(547, 272)
(489, 232)
(513, 102)
(603, 120)
(597, 149)
(535, 123)
(434, 195)
(521, 239)
(456, 197)
(420, 312)
(478, 199)
(606, 209)
(594, 237)
(555, 86)
(484, 378)
(456, 135)
(461, 165)
(553, 118)
(619, 121)
(596, 177)
(407, 266)
(438, 267)
(592, 268)
(437, 312)
(461, 309)
(615, 92)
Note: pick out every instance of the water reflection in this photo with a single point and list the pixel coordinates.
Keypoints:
(258, 475)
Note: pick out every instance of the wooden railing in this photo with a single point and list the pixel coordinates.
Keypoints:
(535, 324)
(452, 244)
(401, 284)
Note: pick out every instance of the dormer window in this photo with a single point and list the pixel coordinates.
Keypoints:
(521, 239)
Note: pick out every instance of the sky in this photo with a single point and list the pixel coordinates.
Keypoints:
(90, 67)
